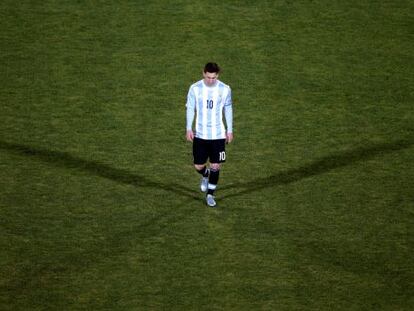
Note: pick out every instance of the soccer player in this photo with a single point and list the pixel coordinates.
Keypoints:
(206, 101)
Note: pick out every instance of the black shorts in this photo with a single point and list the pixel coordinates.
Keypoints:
(212, 150)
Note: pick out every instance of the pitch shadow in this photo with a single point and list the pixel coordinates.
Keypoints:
(66, 160)
(318, 167)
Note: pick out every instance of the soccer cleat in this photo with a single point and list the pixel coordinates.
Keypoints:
(204, 183)
(210, 200)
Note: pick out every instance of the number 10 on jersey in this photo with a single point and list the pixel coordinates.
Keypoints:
(209, 104)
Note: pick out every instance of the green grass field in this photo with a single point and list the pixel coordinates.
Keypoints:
(99, 202)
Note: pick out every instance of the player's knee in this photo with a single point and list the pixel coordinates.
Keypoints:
(215, 166)
(198, 166)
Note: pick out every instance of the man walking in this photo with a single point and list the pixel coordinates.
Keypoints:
(206, 101)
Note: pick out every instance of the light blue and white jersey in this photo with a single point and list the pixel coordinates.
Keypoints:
(207, 104)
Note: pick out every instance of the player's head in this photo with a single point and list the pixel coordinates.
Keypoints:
(210, 73)
(212, 67)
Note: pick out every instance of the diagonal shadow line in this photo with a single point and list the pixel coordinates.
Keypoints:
(66, 160)
(318, 167)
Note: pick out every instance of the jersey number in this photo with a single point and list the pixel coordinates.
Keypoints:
(222, 156)
(209, 104)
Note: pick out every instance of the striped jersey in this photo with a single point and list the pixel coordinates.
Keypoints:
(207, 104)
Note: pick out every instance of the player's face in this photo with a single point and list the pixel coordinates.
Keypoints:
(210, 78)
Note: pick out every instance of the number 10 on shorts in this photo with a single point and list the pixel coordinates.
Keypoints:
(222, 156)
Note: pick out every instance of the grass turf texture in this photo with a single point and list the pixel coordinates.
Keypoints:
(99, 200)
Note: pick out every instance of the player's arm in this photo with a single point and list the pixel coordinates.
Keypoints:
(190, 114)
(228, 114)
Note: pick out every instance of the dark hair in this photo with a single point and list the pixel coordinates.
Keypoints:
(212, 67)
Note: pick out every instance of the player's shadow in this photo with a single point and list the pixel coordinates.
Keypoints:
(68, 161)
(317, 167)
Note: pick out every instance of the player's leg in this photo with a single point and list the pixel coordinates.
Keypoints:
(200, 155)
(213, 178)
(204, 172)
(217, 156)
(212, 183)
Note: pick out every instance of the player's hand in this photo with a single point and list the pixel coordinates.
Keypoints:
(190, 135)
(229, 138)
